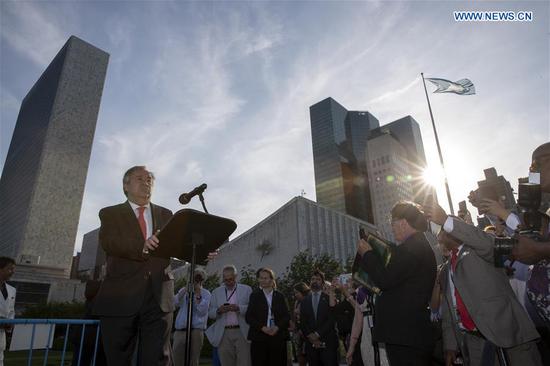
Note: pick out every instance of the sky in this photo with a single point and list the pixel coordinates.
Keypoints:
(219, 92)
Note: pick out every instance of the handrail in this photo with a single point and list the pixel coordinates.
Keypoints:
(52, 322)
(49, 321)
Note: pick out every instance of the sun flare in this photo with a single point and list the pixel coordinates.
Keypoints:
(433, 176)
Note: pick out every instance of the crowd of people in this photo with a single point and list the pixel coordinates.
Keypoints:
(467, 310)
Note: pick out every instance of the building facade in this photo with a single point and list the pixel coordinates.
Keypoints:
(43, 178)
(361, 168)
(339, 139)
(407, 132)
(299, 225)
(92, 257)
(390, 178)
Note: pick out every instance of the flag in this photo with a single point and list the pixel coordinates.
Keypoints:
(462, 87)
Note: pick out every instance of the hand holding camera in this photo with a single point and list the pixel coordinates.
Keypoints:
(528, 250)
(495, 208)
(435, 213)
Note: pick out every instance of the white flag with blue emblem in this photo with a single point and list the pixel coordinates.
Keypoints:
(462, 87)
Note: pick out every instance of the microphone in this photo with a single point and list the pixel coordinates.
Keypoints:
(186, 197)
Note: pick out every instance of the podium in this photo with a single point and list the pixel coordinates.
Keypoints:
(191, 235)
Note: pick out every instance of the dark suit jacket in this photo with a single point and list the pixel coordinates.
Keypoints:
(256, 315)
(128, 270)
(401, 311)
(324, 325)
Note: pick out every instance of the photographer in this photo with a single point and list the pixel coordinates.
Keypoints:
(402, 318)
(480, 310)
(528, 250)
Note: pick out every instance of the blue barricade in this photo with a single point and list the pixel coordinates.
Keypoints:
(52, 322)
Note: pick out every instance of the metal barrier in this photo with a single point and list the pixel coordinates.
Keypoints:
(52, 322)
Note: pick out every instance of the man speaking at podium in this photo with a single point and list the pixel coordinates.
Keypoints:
(135, 299)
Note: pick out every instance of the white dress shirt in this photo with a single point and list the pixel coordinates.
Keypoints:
(269, 299)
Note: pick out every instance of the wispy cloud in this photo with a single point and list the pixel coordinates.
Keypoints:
(390, 95)
(218, 92)
(27, 30)
(8, 100)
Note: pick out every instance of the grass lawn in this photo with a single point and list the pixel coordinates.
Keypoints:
(20, 358)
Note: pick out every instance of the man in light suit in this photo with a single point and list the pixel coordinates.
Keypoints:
(480, 310)
(228, 306)
(136, 297)
(7, 300)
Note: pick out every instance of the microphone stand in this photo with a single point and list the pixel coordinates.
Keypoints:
(202, 202)
(196, 240)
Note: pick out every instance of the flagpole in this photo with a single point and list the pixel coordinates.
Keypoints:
(438, 148)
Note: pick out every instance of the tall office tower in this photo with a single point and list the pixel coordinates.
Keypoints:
(407, 131)
(45, 171)
(390, 177)
(339, 140)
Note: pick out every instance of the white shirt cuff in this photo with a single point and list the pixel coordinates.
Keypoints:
(512, 221)
(448, 225)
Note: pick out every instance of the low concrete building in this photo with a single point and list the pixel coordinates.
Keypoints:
(92, 257)
(299, 225)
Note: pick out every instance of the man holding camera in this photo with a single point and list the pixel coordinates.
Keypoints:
(198, 323)
(535, 252)
(528, 250)
(480, 310)
(402, 319)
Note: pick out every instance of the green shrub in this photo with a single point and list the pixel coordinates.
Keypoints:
(54, 310)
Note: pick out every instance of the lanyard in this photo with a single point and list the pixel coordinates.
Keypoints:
(231, 295)
(270, 320)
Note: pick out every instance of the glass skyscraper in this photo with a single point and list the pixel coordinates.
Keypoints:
(407, 132)
(339, 140)
(348, 179)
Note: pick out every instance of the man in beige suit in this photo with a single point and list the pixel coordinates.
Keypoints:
(228, 306)
(7, 300)
(480, 310)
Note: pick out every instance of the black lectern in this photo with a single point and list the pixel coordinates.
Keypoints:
(191, 235)
(177, 238)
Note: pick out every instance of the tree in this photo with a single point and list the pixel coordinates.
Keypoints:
(301, 268)
(349, 264)
(179, 283)
(55, 310)
(211, 282)
(248, 276)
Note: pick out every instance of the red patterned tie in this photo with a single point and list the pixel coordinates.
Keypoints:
(465, 318)
(141, 220)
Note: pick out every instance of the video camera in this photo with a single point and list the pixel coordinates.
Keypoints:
(529, 201)
(494, 187)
